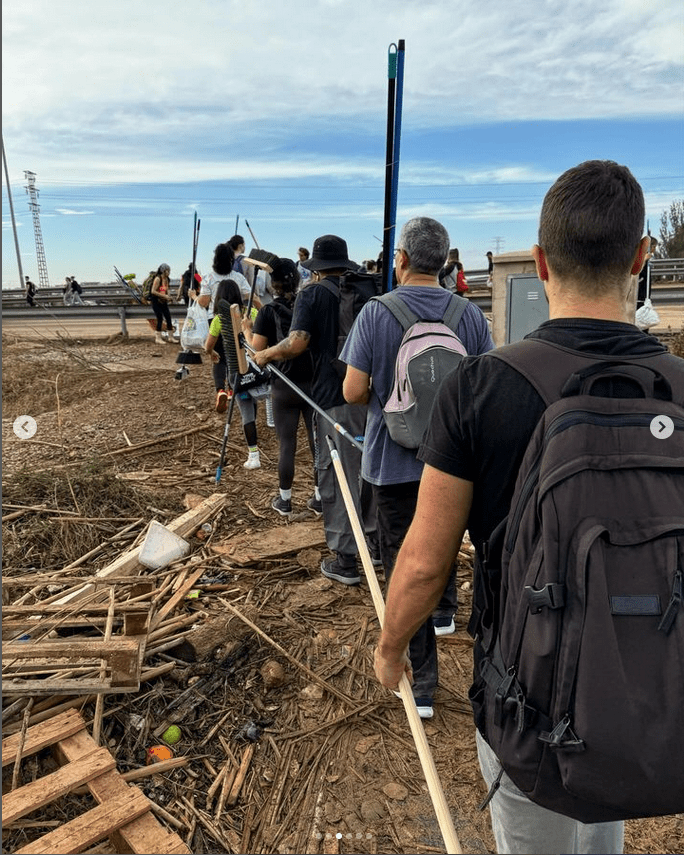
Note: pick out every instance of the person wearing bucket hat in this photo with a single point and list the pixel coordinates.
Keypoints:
(315, 326)
(329, 253)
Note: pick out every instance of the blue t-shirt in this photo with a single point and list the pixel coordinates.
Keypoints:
(372, 347)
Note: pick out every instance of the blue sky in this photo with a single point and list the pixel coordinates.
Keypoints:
(135, 115)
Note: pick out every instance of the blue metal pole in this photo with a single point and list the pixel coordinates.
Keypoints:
(395, 154)
(387, 247)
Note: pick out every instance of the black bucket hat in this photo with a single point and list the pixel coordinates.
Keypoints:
(329, 253)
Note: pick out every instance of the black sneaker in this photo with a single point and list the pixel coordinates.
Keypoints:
(283, 506)
(374, 552)
(332, 569)
(315, 505)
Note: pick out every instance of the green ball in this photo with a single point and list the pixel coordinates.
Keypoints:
(172, 734)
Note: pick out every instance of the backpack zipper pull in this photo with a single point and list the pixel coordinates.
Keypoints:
(562, 737)
(492, 791)
(674, 605)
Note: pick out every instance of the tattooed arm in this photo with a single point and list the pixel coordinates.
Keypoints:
(296, 343)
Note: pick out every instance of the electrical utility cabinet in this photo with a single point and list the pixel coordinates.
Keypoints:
(526, 305)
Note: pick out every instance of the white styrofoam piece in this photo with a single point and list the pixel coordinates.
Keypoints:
(161, 547)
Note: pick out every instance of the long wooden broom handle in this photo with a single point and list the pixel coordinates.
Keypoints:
(439, 801)
(236, 317)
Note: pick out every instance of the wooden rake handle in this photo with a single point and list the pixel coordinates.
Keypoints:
(427, 762)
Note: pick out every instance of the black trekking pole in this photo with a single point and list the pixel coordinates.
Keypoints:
(256, 243)
(195, 241)
(336, 425)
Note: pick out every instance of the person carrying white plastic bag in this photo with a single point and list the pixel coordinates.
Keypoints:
(196, 327)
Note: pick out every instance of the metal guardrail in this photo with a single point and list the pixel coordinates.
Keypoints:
(112, 300)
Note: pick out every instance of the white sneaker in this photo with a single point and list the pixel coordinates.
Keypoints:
(253, 461)
(444, 626)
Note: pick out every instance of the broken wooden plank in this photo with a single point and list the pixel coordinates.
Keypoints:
(143, 834)
(41, 735)
(50, 787)
(178, 597)
(275, 543)
(38, 617)
(122, 656)
(90, 827)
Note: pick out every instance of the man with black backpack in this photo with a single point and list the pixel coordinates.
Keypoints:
(450, 326)
(563, 456)
(322, 316)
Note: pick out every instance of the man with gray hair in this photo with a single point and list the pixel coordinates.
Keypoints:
(394, 471)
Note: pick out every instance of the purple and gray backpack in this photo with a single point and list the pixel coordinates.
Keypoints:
(429, 350)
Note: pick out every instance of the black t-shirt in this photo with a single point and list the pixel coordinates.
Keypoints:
(299, 369)
(486, 412)
(316, 311)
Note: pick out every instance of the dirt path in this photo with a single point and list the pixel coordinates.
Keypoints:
(353, 785)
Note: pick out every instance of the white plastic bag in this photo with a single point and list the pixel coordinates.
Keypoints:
(196, 326)
(646, 316)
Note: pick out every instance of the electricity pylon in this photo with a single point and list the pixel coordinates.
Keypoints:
(35, 207)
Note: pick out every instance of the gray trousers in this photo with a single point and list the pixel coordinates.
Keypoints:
(338, 531)
(524, 828)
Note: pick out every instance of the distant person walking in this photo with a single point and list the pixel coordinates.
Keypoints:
(189, 288)
(76, 291)
(30, 292)
(490, 269)
(452, 276)
(304, 274)
(159, 298)
(66, 291)
(237, 244)
(271, 326)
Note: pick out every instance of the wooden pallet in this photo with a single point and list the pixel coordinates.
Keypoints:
(79, 665)
(123, 813)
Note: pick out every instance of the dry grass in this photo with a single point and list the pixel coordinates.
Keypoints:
(89, 491)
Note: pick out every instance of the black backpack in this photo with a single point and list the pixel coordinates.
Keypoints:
(354, 291)
(301, 367)
(580, 688)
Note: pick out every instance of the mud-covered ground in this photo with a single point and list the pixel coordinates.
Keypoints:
(95, 402)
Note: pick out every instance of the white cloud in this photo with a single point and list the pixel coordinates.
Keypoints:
(156, 86)
(70, 213)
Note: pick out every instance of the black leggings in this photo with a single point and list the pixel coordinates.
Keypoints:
(245, 402)
(287, 408)
(161, 310)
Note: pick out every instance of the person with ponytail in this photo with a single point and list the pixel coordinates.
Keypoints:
(272, 325)
(224, 356)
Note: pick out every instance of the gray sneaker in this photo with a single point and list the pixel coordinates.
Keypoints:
(332, 569)
(283, 506)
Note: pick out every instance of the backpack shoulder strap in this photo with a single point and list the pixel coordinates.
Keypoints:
(392, 301)
(525, 357)
(560, 362)
(331, 287)
(454, 313)
(280, 313)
